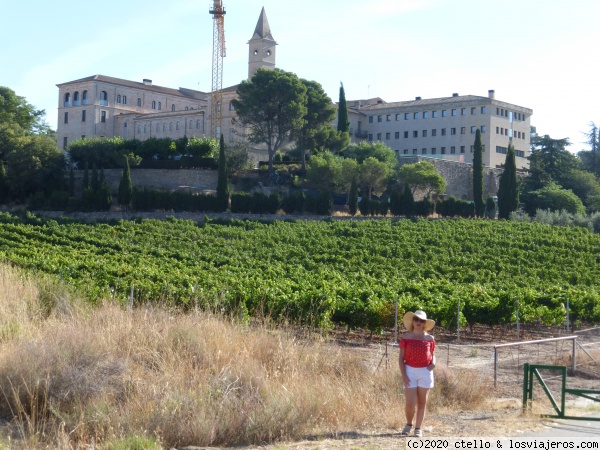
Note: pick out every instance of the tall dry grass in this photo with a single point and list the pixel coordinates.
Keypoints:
(73, 375)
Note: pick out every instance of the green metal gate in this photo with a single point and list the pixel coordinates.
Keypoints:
(532, 370)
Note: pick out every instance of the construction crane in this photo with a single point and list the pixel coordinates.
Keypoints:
(218, 13)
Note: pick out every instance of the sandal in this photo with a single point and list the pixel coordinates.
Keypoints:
(418, 433)
(406, 430)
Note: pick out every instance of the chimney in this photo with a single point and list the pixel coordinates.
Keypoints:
(147, 82)
(455, 94)
(417, 98)
(491, 93)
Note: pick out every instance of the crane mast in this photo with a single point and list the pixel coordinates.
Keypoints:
(218, 13)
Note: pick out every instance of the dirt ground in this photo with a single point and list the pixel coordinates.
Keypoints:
(502, 414)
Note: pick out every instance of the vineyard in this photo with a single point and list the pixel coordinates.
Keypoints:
(323, 272)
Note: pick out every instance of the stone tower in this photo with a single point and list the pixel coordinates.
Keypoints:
(261, 48)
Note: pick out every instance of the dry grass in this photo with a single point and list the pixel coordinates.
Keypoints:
(73, 376)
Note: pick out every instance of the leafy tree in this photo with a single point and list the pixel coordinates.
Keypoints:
(590, 160)
(554, 198)
(478, 175)
(222, 183)
(422, 176)
(378, 150)
(125, 188)
(315, 129)
(549, 160)
(343, 122)
(272, 104)
(322, 171)
(373, 176)
(15, 109)
(508, 189)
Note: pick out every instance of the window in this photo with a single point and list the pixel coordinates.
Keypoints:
(103, 116)
(218, 107)
(378, 136)
(462, 148)
(83, 114)
(76, 99)
(406, 116)
(444, 113)
(370, 119)
(139, 102)
(387, 136)
(397, 116)
(103, 98)
(520, 153)
(452, 150)
(483, 128)
(83, 136)
(433, 114)
(452, 131)
(473, 129)
(157, 127)
(388, 118)
(177, 125)
(67, 99)
(443, 150)
(423, 151)
(434, 132)
(124, 99)
(433, 151)
(414, 151)
(405, 151)
(198, 123)
(231, 107)
(472, 148)
(159, 106)
(483, 109)
(65, 140)
(119, 98)
(164, 127)
(397, 135)
(153, 104)
(139, 129)
(415, 134)
(473, 111)
(424, 133)
(463, 111)
(497, 130)
(371, 137)
(425, 115)
(191, 125)
(463, 130)
(66, 117)
(405, 134)
(186, 108)
(501, 150)
(453, 112)
(84, 98)
(498, 112)
(170, 126)
(443, 132)
(379, 118)
(416, 115)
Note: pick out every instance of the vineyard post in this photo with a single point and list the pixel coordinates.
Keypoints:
(518, 324)
(568, 319)
(396, 324)
(458, 321)
(131, 300)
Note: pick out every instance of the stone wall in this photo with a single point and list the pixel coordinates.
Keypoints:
(459, 177)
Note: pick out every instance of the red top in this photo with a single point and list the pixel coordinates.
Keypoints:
(417, 352)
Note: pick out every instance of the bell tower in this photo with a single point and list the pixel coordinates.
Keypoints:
(261, 47)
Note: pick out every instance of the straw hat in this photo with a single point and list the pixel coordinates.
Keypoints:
(408, 320)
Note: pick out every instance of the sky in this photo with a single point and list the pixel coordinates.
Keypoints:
(540, 54)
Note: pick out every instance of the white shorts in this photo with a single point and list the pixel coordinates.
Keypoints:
(419, 377)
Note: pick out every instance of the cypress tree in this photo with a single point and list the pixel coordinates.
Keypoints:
(95, 183)
(4, 187)
(71, 181)
(478, 175)
(343, 122)
(407, 202)
(125, 189)
(508, 189)
(353, 198)
(86, 177)
(222, 182)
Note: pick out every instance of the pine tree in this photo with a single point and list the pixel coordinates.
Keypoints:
(222, 182)
(508, 189)
(478, 175)
(125, 189)
(343, 122)
(353, 198)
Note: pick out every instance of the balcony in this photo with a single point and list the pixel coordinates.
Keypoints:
(361, 134)
(104, 102)
(66, 104)
(75, 102)
(84, 101)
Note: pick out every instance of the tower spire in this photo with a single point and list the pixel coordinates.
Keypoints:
(261, 51)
